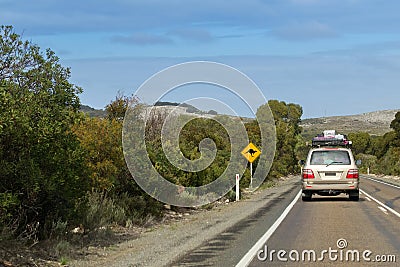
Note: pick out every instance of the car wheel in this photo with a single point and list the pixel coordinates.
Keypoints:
(354, 196)
(306, 196)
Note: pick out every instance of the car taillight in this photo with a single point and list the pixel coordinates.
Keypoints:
(352, 174)
(308, 174)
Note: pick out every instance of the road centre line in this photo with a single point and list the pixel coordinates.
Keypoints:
(381, 182)
(380, 203)
(245, 261)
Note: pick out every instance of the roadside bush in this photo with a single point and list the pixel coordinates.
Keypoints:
(389, 164)
(102, 211)
(115, 197)
(42, 171)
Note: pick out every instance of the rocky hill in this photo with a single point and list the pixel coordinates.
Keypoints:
(167, 106)
(374, 123)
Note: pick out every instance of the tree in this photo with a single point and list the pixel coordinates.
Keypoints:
(389, 164)
(389, 149)
(395, 124)
(117, 108)
(110, 179)
(101, 140)
(361, 142)
(287, 119)
(380, 145)
(42, 173)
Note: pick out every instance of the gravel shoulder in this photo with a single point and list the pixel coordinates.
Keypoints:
(161, 244)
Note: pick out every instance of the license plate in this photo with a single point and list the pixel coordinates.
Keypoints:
(330, 174)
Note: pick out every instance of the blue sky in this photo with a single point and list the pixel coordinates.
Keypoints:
(333, 57)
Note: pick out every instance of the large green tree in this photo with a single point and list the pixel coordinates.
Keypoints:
(395, 124)
(287, 118)
(42, 169)
(361, 142)
(389, 157)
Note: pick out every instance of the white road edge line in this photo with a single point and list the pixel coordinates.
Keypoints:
(381, 182)
(380, 203)
(245, 261)
(383, 210)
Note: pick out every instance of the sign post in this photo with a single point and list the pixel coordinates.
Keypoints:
(237, 187)
(251, 175)
(251, 152)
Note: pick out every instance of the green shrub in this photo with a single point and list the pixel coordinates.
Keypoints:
(102, 211)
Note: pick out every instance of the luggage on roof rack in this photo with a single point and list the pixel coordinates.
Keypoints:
(330, 138)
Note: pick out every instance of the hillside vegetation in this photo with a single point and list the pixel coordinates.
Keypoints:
(374, 123)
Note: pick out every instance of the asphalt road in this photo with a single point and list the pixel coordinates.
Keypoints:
(327, 231)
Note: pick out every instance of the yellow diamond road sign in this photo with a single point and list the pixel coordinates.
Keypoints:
(251, 152)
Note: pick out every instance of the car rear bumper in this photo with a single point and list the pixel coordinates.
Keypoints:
(349, 186)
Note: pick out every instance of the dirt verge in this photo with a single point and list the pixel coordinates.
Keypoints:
(155, 244)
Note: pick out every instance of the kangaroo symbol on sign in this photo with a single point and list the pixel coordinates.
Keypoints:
(252, 152)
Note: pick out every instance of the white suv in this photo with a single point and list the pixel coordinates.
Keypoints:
(330, 171)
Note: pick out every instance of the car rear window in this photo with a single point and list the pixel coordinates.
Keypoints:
(332, 157)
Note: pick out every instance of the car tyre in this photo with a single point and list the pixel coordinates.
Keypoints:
(354, 196)
(306, 196)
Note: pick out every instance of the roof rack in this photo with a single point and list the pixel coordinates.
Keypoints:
(330, 138)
